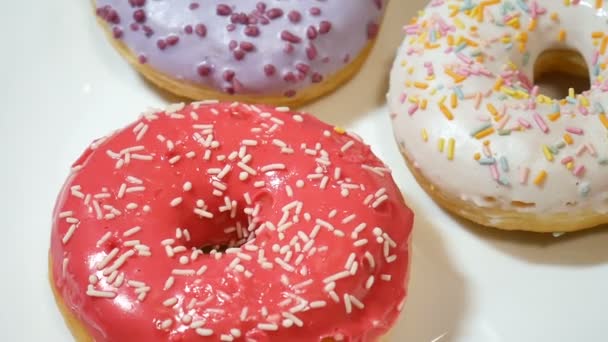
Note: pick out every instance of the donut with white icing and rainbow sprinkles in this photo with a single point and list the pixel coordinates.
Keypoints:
(271, 51)
(477, 132)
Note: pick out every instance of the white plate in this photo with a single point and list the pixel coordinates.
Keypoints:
(64, 85)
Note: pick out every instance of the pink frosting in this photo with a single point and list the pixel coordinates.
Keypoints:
(317, 231)
(245, 47)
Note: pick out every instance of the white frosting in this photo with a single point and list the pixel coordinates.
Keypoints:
(464, 177)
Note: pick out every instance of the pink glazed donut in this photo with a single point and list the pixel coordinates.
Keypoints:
(279, 52)
(215, 222)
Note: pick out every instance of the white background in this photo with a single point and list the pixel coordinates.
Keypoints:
(63, 85)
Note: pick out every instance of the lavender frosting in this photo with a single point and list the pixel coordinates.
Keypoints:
(245, 47)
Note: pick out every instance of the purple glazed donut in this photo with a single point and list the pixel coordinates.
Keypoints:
(283, 51)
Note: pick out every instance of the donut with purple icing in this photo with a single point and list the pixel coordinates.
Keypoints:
(279, 52)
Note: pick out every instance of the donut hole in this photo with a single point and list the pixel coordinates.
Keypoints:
(219, 233)
(558, 70)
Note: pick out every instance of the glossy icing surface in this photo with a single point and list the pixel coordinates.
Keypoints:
(245, 47)
(467, 113)
(316, 231)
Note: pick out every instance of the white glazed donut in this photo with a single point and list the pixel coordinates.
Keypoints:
(479, 135)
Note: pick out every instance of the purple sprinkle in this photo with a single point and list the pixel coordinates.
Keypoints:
(311, 32)
(289, 77)
(294, 16)
(139, 16)
(137, 3)
(303, 68)
(172, 40)
(247, 46)
(238, 54)
(116, 32)
(316, 77)
(193, 6)
(201, 30)
(324, 27)
(311, 52)
(142, 59)
(188, 29)
(203, 70)
(223, 10)
(233, 44)
(161, 44)
(228, 75)
(274, 13)
(290, 37)
(252, 31)
(372, 30)
(269, 70)
(315, 11)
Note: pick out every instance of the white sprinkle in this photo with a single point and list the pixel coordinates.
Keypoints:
(360, 242)
(97, 208)
(170, 302)
(354, 300)
(293, 318)
(282, 109)
(102, 294)
(303, 284)
(346, 146)
(64, 267)
(224, 172)
(243, 315)
(166, 324)
(204, 332)
(174, 159)
(68, 234)
(135, 189)
(246, 168)
(259, 184)
(353, 268)
(358, 230)
(103, 239)
(65, 214)
(391, 259)
(141, 132)
(249, 142)
(369, 282)
(337, 173)
(226, 338)
(166, 242)
(350, 260)
(370, 259)
(183, 272)
(385, 277)
(272, 167)
(201, 270)
(268, 326)
(131, 243)
(379, 201)
(347, 304)
(187, 186)
(106, 260)
(298, 118)
(135, 283)
(348, 218)
(203, 213)
(235, 332)
(287, 267)
(131, 206)
(324, 182)
(337, 276)
(176, 201)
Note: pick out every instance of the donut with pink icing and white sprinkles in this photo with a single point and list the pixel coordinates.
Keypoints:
(230, 222)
